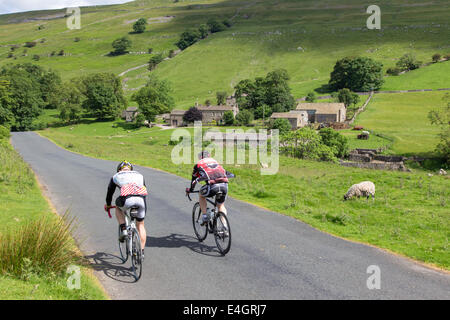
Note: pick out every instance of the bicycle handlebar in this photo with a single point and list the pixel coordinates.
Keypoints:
(109, 210)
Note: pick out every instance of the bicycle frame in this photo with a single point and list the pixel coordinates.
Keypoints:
(129, 225)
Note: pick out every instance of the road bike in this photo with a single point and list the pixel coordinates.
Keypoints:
(131, 245)
(217, 225)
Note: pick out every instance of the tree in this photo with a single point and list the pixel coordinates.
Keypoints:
(336, 141)
(357, 74)
(244, 117)
(228, 118)
(68, 99)
(154, 61)
(227, 23)
(203, 31)
(215, 26)
(104, 95)
(436, 57)
(441, 118)
(347, 97)
(193, 114)
(221, 97)
(283, 125)
(408, 62)
(154, 98)
(311, 97)
(263, 112)
(121, 46)
(6, 104)
(140, 25)
(273, 91)
(188, 38)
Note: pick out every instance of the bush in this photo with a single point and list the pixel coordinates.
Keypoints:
(283, 125)
(228, 118)
(4, 132)
(436, 57)
(336, 141)
(154, 61)
(215, 26)
(193, 114)
(227, 23)
(171, 53)
(61, 53)
(43, 246)
(77, 39)
(221, 97)
(393, 71)
(203, 31)
(244, 117)
(187, 39)
(36, 57)
(139, 120)
(150, 50)
(311, 97)
(408, 62)
(140, 25)
(347, 97)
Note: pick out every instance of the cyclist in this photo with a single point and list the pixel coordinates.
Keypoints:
(132, 194)
(216, 177)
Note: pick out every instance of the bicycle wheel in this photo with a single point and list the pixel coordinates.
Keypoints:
(136, 254)
(123, 248)
(222, 233)
(200, 231)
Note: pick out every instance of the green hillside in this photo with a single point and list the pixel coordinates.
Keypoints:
(305, 37)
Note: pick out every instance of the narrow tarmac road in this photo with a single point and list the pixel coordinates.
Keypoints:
(272, 256)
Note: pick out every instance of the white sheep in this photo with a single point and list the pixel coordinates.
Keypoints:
(363, 189)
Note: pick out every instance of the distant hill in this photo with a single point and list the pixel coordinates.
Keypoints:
(304, 37)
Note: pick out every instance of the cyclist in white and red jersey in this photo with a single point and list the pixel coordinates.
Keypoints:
(210, 171)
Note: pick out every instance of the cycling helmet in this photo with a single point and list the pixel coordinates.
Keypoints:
(124, 164)
(204, 154)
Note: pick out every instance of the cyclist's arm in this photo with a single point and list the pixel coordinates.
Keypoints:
(111, 189)
(229, 174)
(194, 178)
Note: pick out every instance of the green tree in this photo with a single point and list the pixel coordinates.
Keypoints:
(154, 61)
(436, 57)
(203, 31)
(69, 100)
(357, 74)
(228, 118)
(104, 95)
(6, 104)
(121, 46)
(311, 97)
(347, 97)
(408, 62)
(283, 125)
(154, 98)
(244, 117)
(215, 26)
(221, 97)
(441, 118)
(336, 141)
(140, 25)
(188, 38)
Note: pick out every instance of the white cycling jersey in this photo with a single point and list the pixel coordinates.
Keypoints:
(123, 178)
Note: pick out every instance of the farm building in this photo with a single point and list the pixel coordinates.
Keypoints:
(209, 113)
(297, 119)
(130, 114)
(323, 112)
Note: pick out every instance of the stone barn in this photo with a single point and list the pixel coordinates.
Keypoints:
(323, 112)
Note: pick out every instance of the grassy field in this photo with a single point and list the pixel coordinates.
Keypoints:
(305, 37)
(403, 117)
(409, 215)
(22, 202)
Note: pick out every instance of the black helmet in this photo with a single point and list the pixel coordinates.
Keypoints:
(204, 154)
(124, 164)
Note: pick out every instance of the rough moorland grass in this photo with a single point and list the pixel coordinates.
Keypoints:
(304, 37)
(404, 117)
(409, 215)
(34, 246)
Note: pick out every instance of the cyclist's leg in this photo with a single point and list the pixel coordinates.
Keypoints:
(220, 200)
(139, 202)
(202, 195)
(141, 228)
(120, 202)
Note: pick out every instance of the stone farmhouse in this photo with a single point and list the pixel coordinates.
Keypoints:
(323, 112)
(209, 113)
(297, 119)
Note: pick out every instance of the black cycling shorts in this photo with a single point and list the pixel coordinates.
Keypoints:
(211, 190)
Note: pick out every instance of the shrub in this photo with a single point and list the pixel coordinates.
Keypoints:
(227, 23)
(347, 97)
(171, 53)
(43, 246)
(150, 50)
(336, 141)
(393, 71)
(154, 61)
(10, 55)
(61, 53)
(436, 57)
(215, 26)
(408, 62)
(283, 125)
(36, 57)
(244, 117)
(311, 97)
(77, 39)
(228, 118)
(203, 31)
(188, 38)
(193, 114)
(221, 97)
(140, 25)
(139, 120)
(4, 132)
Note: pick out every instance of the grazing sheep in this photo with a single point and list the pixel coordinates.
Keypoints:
(363, 189)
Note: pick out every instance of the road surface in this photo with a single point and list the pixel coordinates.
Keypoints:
(272, 256)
